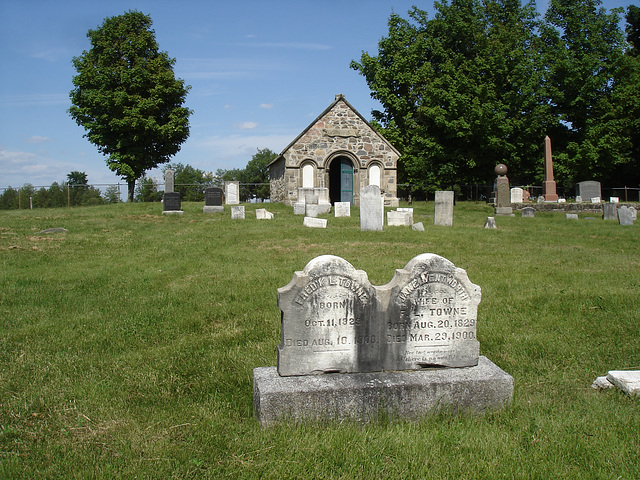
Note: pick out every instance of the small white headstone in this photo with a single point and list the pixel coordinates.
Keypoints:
(299, 208)
(571, 216)
(595, 199)
(418, 227)
(614, 199)
(634, 213)
(311, 210)
(562, 200)
(578, 199)
(342, 209)
(237, 212)
(516, 195)
(263, 214)
(399, 219)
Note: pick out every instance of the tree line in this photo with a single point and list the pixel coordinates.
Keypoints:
(189, 181)
(483, 82)
(75, 191)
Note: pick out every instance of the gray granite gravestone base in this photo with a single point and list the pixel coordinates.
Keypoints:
(362, 397)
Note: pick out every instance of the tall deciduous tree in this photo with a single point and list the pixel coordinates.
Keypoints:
(127, 97)
(461, 92)
(583, 50)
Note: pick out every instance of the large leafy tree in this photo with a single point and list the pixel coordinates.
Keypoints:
(461, 92)
(127, 97)
(583, 48)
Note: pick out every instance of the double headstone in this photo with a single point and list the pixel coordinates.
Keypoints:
(409, 346)
(213, 200)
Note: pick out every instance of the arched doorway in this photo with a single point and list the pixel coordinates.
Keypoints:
(341, 180)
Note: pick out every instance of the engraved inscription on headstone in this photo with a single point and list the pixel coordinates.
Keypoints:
(232, 195)
(171, 201)
(326, 320)
(213, 197)
(371, 209)
(443, 210)
(432, 315)
(169, 181)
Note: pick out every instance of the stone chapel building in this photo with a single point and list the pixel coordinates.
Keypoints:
(340, 152)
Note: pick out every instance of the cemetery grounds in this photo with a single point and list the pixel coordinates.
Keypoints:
(128, 345)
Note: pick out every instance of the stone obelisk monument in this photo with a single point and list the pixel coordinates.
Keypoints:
(549, 185)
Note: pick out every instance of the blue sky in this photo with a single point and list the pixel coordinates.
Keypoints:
(260, 71)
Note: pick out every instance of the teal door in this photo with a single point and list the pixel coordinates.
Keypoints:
(346, 181)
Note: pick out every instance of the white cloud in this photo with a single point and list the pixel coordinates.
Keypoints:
(37, 139)
(267, 106)
(236, 150)
(246, 125)
(40, 100)
(51, 54)
(290, 45)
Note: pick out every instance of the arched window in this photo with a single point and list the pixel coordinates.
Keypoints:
(307, 176)
(374, 175)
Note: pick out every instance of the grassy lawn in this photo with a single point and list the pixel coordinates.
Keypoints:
(127, 345)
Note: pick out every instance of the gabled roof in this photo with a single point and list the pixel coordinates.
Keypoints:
(339, 98)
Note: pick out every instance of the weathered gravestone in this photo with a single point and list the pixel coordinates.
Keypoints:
(349, 350)
(371, 208)
(263, 214)
(237, 212)
(342, 209)
(490, 222)
(171, 203)
(503, 195)
(571, 216)
(326, 320)
(169, 176)
(589, 189)
(528, 212)
(609, 211)
(625, 216)
(396, 218)
(213, 200)
(443, 209)
(313, 222)
(232, 196)
(634, 213)
(417, 227)
(517, 195)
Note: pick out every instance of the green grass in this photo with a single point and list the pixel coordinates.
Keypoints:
(128, 345)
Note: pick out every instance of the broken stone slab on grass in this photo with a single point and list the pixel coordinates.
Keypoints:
(313, 222)
(263, 214)
(626, 380)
